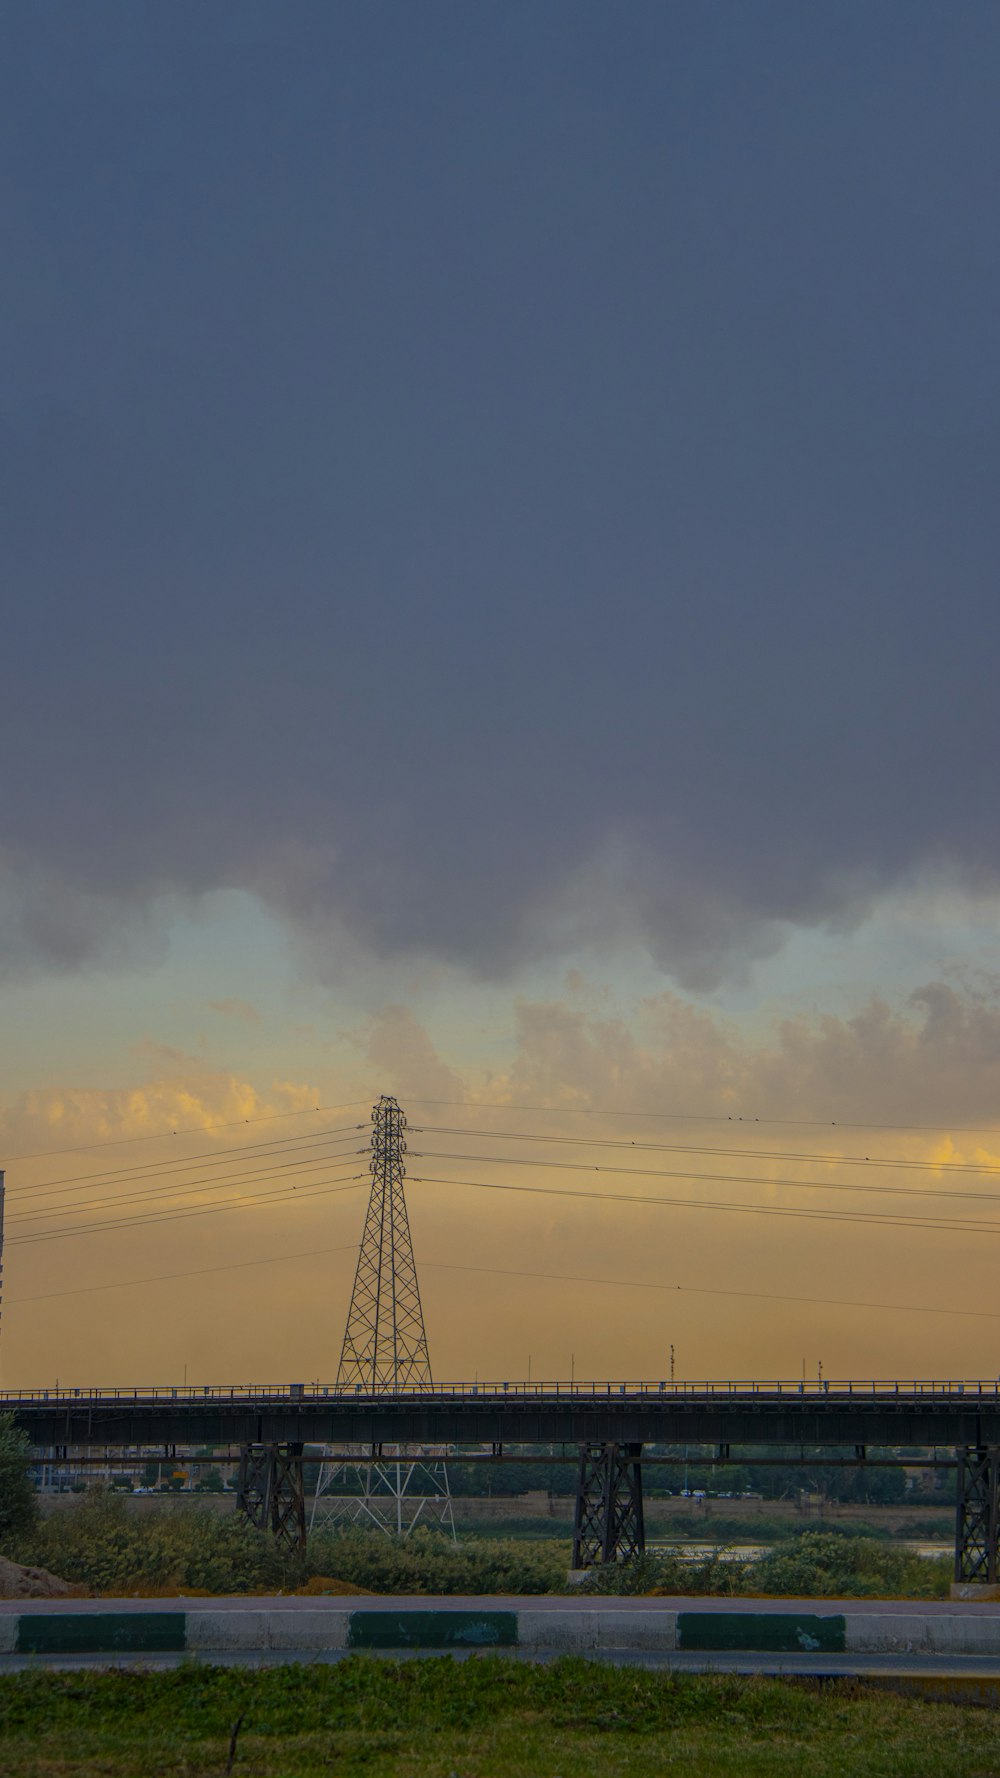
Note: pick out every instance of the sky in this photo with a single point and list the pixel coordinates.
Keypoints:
(500, 606)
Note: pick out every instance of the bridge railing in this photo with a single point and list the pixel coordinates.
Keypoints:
(542, 1390)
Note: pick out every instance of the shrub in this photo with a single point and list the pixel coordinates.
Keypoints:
(111, 1549)
(101, 1543)
(429, 1562)
(108, 1548)
(824, 1564)
(18, 1504)
(816, 1564)
(667, 1574)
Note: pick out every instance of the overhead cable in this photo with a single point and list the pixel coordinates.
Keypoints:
(868, 1218)
(819, 1185)
(210, 1157)
(97, 1228)
(235, 1123)
(162, 1191)
(239, 1265)
(707, 1117)
(743, 1154)
(766, 1296)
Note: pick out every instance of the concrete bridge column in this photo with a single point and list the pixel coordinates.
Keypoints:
(608, 1522)
(977, 1515)
(269, 1492)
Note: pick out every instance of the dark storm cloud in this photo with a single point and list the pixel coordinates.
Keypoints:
(486, 477)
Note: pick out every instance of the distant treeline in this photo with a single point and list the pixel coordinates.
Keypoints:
(772, 1481)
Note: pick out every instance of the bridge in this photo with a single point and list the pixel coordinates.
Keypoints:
(608, 1425)
(384, 1402)
(849, 1413)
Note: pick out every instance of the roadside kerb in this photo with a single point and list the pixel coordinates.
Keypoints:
(337, 1627)
(910, 1632)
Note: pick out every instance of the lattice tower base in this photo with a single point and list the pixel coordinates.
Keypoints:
(393, 1490)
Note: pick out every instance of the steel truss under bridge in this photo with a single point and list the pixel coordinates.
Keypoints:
(608, 1522)
(977, 1515)
(269, 1492)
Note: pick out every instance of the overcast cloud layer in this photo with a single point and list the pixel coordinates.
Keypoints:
(488, 478)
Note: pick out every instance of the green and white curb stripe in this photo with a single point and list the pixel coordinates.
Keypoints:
(773, 1632)
(334, 1628)
(105, 1632)
(432, 1629)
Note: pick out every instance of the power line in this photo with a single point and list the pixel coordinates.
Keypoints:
(943, 1127)
(166, 1215)
(175, 1182)
(743, 1154)
(869, 1219)
(271, 1259)
(269, 1117)
(708, 1117)
(820, 1185)
(211, 1157)
(514, 1272)
(176, 1215)
(163, 1191)
(702, 1290)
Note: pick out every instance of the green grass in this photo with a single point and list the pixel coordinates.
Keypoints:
(482, 1718)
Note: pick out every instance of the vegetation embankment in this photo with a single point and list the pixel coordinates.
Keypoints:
(100, 1544)
(18, 1500)
(815, 1565)
(715, 1527)
(483, 1718)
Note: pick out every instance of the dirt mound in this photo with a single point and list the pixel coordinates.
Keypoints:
(34, 1583)
(322, 1585)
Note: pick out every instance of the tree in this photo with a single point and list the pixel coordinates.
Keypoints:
(18, 1506)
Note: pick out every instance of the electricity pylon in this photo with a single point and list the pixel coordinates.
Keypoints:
(384, 1350)
(385, 1343)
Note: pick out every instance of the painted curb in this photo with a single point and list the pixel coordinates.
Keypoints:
(101, 1633)
(568, 1631)
(762, 1632)
(224, 1632)
(433, 1629)
(651, 1631)
(557, 1632)
(913, 1633)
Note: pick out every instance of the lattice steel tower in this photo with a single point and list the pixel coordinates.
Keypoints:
(385, 1343)
(385, 1349)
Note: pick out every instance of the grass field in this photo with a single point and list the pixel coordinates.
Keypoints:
(482, 1718)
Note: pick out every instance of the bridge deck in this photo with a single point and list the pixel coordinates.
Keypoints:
(931, 1413)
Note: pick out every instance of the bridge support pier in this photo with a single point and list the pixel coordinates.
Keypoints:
(977, 1514)
(607, 1522)
(269, 1492)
